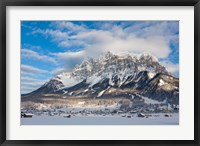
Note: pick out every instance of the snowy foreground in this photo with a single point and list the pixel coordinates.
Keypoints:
(154, 119)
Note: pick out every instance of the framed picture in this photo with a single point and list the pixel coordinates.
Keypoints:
(99, 72)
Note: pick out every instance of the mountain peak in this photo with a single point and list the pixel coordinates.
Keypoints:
(111, 63)
(114, 68)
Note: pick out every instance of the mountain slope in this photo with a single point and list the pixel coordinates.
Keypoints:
(116, 76)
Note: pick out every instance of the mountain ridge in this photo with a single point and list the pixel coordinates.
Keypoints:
(138, 74)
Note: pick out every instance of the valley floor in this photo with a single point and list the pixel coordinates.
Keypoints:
(154, 119)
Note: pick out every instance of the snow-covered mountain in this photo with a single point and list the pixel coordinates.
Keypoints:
(116, 76)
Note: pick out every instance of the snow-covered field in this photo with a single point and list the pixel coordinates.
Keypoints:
(155, 119)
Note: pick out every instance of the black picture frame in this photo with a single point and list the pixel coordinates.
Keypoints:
(5, 3)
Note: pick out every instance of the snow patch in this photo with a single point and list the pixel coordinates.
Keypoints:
(86, 90)
(150, 101)
(161, 82)
(67, 80)
(132, 96)
(151, 75)
(93, 80)
(65, 92)
(101, 93)
(81, 103)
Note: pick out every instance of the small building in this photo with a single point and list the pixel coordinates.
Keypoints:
(141, 115)
(26, 115)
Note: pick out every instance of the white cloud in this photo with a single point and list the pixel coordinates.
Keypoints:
(29, 87)
(62, 25)
(25, 89)
(31, 79)
(69, 59)
(30, 70)
(118, 41)
(154, 45)
(71, 43)
(29, 84)
(136, 39)
(145, 36)
(70, 55)
(58, 70)
(56, 35)
(32, 47)
(33, 84)
(171, 67)
(26, 53)
(154, 28)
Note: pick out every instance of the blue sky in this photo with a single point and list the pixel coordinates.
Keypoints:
(51, 47)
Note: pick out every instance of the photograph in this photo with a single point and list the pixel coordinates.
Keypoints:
(89, 72)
